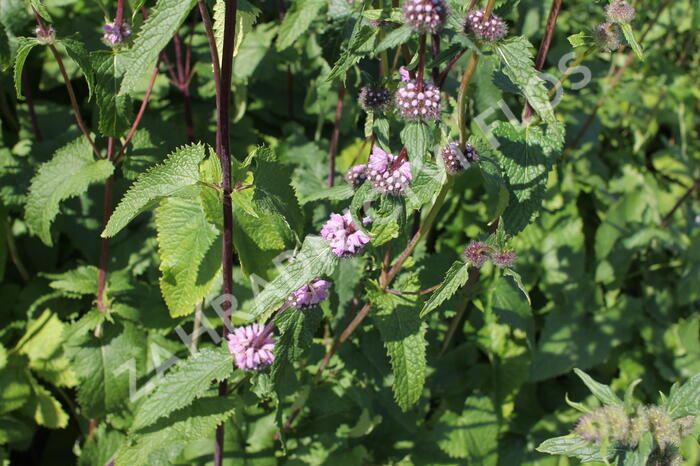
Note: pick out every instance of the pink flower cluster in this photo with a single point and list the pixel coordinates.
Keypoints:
(425, 15)
(457, 160)
(114, 35)
(344, 236)
(492, 30)
(357, 175)
(251, 348)
(419, 102)
(310, 295)
(385, 176)
(477, 253)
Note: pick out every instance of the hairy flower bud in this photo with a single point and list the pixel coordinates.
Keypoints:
(457, 160)
(504, 259)
(492, 30)
(608, 36)
(385, 176)
(357, 175)
(419, 102)
(374, 99)
(251, 349)
(45, 36)
(344, 236)
(309, 296)
(115, 35)
(662, 427)
(620, 11)
(425, 16)
(474, 253)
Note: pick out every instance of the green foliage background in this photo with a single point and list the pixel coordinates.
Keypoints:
(466, 375)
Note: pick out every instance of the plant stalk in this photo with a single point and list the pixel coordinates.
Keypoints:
(333, 148)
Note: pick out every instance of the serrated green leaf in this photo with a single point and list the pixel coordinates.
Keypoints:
(578, 40)
(387, 220)
(297, 21)
(189, 257)
(398, 36)
(403, 335)
(315, 259)
(77, 51)
(573, 446)
(179, 388)
(603, 392)
(336, 193)
(24, 46)
(472, 434)
(632, 40)
(15, 388)
(361, 34)
(78, 281)
(163, 22)
(417, 137)
(167, 437)
(48, 411)
(456, 277)
(518, 281)
(106, 366)
(40, 8)
(115, 112)
(180, 170)
(246, 15)
(684, 400)
(69, 173)
(428, 179)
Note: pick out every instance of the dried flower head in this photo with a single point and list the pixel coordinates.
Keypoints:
(503, 259)
(419, 102)
(492, 30)
(620, 11)
(251, 349)
(357, 175)
(374, 99)
(608, 36)
(385, 175)
(475, 253)
(457, 160)
(310, 295)
(45, 36)
(344, 236)
(425, 16)
(115, 35)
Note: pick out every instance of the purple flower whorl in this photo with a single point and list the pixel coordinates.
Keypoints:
(492, 30)
(419, 104)
(620, 11)
(344, 236)
(608, 36)
(386, 178)
(250, 351)
(456, 160)
(309, 296)
(474, 253)
(425, 16)
(114, 35)
(47, 36)
(374, 99)
(356, 175)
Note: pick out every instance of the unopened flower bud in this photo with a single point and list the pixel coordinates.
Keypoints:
(419, 102)
(115, 35)
(504, 259)
(309, 296)
(45, 36)
(492, 30)
(475, 255)
(425, 16)
(457, 160)
(608, 36)
(374, 99)
(620, 12)
(357, 175)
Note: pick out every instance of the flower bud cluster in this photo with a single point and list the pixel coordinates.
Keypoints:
(608, 36)
(356, 175)
(477, 253)
(425, 16)
(492, 30)
(457, 160)
(386, 176)
(46, 35)
(620, 11)
(114, 35)
(374, 99)
(343, 235)
(310, 295)
(416, 102)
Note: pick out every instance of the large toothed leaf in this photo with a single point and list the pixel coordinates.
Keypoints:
(471, 434)
(403, 335)
(297, 21)
(77, 51)
(456, 277)
(601, 391)
(69, 173)
(573, 446)
(114, 110)
(166, 439)
(684, 400)
(48, 411)
(178, 171)
(190, 256)
(24, 46)
(163, 22)
(632, 40)
(189, 381)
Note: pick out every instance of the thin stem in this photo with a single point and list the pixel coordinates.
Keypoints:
(104, 242)
(544, 46)
(119, 20)
(196, 325)
(333, 147)
(435, 44)
(223, 151)
(685, 197)
(26, 88)
(421, 62)
(441, 80)
(206, 21)
(139, 115)
(488, 9)
(462, 98)
(416, 293)
(569, 70)
(14, 255)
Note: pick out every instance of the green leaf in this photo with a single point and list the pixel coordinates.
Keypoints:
(5, 52)
(169, 436)
(314, 260)
(115, 112)
(387, 220)
(398, 36)
(361, 34)
(629, 35)
(578, 40)
(417, 137)
(179, 388)
(15, 388)
(48, 411)
(684, 400)
(163, 22)
(472, 434)
(403, 335)
(456, 277)
(76, 50)
(190, 256)
(336, 193)
(518, 281)
(246, 15)
(24, 46)
(180, 170)
(69, 173)
(38, 5)
(603, 392)
(297, 21)
(428, 179)
(75, 282)
(573, 446)
(106, 365)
